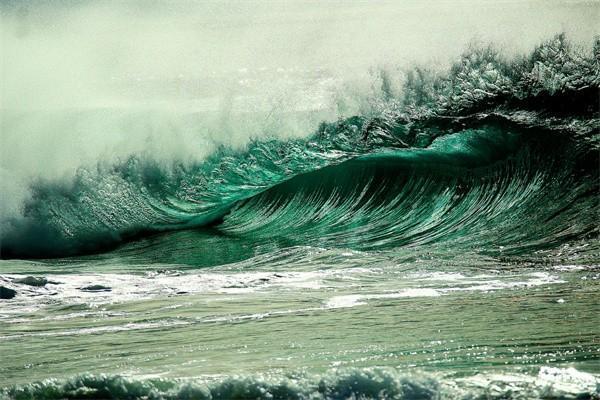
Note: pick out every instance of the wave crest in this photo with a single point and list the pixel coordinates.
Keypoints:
(366, 383)
(553, 92)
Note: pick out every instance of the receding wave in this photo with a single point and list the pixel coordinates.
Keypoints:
(497, 156)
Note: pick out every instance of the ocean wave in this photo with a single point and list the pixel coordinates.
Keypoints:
(366, 383)
(473, 152)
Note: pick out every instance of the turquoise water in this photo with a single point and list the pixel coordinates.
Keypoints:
(446, 247)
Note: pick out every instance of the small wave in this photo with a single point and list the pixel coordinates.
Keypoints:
(367, 383)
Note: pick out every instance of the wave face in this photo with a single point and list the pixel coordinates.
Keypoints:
(498, 157)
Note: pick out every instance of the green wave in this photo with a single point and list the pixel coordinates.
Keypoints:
(498, 156)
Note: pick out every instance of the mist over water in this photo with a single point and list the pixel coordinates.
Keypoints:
(89, 81)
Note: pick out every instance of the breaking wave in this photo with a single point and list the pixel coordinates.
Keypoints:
(367, 383)
(496, 156)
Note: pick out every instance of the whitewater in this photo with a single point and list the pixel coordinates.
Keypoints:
(280, 207)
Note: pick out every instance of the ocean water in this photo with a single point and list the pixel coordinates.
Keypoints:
(441, 244)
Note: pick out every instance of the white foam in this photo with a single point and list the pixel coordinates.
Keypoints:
(357, 300)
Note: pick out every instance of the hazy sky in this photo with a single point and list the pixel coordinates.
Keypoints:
(75, 53)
